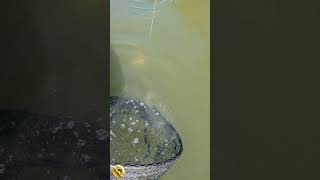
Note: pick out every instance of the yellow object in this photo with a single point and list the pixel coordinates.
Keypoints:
(118, 171)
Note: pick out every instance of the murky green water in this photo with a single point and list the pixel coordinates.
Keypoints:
(168, 68)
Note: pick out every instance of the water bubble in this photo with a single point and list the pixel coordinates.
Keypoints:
(55, 130)
(66, 178)
(101, 134)
(87, 125)
(75, 134)
(81, 143)
(70, 124)
(2, 168)
(135, 140)
(10, 157)
(39, 155)
(85, 158)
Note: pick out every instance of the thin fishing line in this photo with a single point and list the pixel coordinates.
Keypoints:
(153, 16)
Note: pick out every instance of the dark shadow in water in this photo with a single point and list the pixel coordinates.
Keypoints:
(22, 67)
(116, 75)
(53, 61)
(54, 58)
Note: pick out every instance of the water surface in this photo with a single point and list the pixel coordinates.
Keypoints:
(168, 68)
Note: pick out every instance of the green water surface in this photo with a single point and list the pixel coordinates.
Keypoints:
(168, 68)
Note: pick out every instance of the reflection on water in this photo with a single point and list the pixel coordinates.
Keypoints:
(169, 69)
